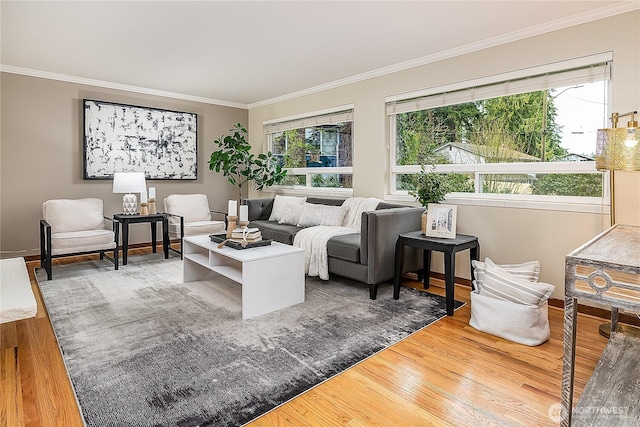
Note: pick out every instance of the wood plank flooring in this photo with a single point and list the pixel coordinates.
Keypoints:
(445, 374)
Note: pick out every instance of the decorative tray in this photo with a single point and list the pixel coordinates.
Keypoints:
(218, 238)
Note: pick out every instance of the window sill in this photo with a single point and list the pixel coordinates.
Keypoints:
(512, 202)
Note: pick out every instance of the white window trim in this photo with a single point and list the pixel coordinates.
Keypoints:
(599, 205)
(309, 114)
(595, 206)
(584, 61)
(297, 190)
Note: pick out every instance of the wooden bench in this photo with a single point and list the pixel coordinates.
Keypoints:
(16, 296)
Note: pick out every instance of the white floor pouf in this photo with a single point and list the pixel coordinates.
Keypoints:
(16, 297)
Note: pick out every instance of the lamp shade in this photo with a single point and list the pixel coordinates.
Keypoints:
(129, 182)
(618, 149)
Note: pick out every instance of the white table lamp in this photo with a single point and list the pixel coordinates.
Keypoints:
(129, 183)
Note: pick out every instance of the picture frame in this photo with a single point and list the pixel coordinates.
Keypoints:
(127, 138)
(441, 220)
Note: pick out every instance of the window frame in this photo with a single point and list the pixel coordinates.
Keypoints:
(565, 203)
(310, 118)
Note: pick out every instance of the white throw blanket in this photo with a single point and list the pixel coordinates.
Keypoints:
(314, 239)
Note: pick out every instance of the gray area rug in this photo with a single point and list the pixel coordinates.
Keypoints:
(143, 349)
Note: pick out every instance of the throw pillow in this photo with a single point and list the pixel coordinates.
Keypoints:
(527, 270)
(313, 214)
(292, 212)
(280, 203)
(499, 283)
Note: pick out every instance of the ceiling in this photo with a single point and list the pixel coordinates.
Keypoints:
(246, 53)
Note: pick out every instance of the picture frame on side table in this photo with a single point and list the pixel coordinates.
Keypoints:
(127, 138)
(441, 220)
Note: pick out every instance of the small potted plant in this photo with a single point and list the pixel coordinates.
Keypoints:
(234, 160)
(429, 187)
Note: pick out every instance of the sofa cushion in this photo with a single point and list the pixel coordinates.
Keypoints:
(259, 208)
(283, 233)
(313, 214)
(280, 203)
(346, 247)
(292, 212)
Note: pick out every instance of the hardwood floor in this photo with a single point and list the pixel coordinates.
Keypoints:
(445, 374)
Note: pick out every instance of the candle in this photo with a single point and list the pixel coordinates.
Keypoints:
(244, 213)
(233, 208)
(143, 196)
(152, 192)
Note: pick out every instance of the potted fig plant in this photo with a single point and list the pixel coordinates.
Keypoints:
(429, 187)
(234, 160)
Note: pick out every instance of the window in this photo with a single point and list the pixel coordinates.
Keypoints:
(315, 150)
(532, 135)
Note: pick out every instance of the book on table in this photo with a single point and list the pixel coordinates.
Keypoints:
(240, 239)
(249, 233)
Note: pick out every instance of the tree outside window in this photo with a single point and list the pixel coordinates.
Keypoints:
(527, 127)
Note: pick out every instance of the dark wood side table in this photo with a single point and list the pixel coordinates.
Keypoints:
(153, 219)
(448, 247)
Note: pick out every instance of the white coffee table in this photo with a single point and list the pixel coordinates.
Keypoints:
(272, 277)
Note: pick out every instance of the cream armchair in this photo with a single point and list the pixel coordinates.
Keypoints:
(74, 227)
(189, 215)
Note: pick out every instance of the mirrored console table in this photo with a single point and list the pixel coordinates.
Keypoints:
(605, 270)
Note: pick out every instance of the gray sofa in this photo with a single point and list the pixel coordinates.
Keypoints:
(367, 256)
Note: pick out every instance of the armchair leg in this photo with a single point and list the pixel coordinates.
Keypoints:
(45, 250)
(181, 238)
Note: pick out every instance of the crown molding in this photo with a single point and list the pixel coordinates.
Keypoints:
(604, 12)
(117, 86)
(558, 24)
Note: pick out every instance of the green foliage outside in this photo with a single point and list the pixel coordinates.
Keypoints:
(500, 130)
(559, 184)
(296, 153)
(515, 122)
(234, 160)
(325, 180)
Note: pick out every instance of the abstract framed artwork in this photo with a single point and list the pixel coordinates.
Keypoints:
(126, 138)
(441, 220)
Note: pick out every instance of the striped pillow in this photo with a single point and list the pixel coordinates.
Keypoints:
(527, 271)
(499, 283)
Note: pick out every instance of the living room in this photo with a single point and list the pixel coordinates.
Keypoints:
(42, 145)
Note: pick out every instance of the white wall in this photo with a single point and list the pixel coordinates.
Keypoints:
(506, 235)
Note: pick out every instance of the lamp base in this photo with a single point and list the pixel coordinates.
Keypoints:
(129, 204)
(605, 330)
